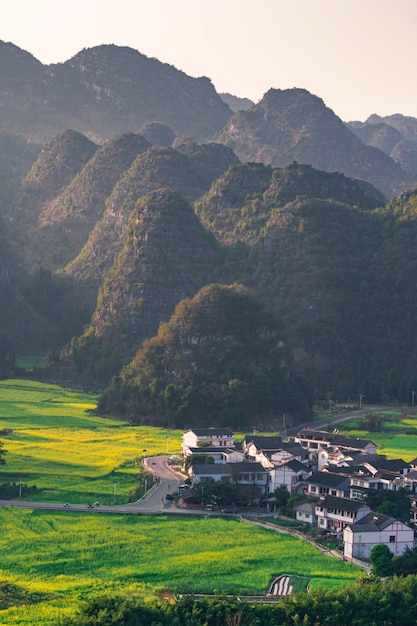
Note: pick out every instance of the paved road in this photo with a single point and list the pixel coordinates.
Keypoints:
(336, 418)
(154, 502)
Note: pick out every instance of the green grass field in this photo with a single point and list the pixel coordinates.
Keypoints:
(397, 438)
(64, 557)
(54, 440)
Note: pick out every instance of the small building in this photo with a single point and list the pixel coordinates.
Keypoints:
(200, 437)
(306, 512)
(374, 529)
(270, 449)
(219, 455)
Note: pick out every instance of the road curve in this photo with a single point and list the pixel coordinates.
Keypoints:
(154, 500)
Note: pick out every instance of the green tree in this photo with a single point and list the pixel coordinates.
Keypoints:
(198, 459)
(406, 563)
(381, 559)
(392, 503)
(282, 496)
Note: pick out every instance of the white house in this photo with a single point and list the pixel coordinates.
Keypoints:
(291, 475)
(373, 529)
(306, 512)
(219, 455)
(270, 450)
(315, 440)
(327, 483)
(246, 473)
(200, 437)
(334, 513)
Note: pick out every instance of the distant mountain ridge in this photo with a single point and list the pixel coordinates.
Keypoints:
(108, 90)
(396, 135)
(293, 125)
(103, 92)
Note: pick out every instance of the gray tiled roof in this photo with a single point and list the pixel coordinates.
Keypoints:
(211, 432)
(334, 439)
(341, 503)
(327, 479)
(372, 522)
(229, 469)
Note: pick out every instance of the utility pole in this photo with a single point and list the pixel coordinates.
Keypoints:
(413, 397)
(361, 397)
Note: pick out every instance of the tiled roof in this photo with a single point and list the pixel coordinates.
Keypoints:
(333, 438)
(264, 442)
(327, 479)
(228, 469)
(210, 432)
(295, 465)
(213, 449)
(381, 462)
(372, 522)
(341, 503)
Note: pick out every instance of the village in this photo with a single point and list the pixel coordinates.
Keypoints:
(333, 474)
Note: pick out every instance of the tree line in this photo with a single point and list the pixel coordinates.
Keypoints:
(368, 602)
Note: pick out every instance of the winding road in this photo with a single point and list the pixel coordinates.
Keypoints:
(154, 500)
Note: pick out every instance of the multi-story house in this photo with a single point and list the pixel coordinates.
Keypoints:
(333, 513)
(326, 483)
(207, 437)
(291, 474)
(373, 529)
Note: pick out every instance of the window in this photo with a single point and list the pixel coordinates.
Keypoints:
(392, 538)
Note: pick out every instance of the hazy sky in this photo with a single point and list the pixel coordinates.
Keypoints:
(359, 56)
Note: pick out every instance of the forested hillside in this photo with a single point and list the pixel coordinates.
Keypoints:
(221, 358)
(109, 238)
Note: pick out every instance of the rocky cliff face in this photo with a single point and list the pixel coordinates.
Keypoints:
(165, 256)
